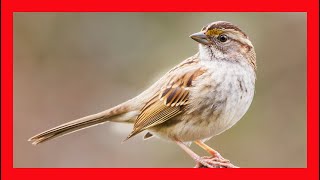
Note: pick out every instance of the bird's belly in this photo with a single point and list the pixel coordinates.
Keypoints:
(202, 124)
(214, 107)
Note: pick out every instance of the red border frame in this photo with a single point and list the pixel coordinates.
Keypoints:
(309, 6)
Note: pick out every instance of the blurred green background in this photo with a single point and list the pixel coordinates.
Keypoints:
(68, 65)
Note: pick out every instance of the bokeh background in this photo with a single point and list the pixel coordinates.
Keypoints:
(68, 65)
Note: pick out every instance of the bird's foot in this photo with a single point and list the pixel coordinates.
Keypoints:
(220, 158)
(214, 162)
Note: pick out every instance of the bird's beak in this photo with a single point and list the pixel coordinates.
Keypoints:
(201, 37)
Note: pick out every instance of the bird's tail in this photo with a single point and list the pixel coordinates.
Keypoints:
(120, 113)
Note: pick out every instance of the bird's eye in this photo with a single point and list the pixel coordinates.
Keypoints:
(222, 38)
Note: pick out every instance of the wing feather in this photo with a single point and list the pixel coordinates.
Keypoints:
(170, 100)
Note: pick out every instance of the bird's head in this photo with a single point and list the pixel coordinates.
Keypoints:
(222, 39)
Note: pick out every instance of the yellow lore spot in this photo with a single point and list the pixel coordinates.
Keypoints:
(214, 32)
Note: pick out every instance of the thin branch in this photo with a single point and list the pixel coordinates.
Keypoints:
(215, 163)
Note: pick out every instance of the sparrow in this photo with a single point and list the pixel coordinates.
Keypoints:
(201, 97)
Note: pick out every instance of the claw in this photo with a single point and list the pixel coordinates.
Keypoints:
(201, 162)
(214, 162)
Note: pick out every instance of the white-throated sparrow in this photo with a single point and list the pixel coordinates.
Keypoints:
(199, 98)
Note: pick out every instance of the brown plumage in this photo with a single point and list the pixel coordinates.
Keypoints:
(199, 98)
(166, 104)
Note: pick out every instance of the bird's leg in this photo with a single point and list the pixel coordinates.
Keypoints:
(211, 151)
(216, 157)
(198, 159)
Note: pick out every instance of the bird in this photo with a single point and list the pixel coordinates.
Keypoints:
(199, 98)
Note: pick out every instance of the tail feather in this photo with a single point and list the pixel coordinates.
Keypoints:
(118, 113)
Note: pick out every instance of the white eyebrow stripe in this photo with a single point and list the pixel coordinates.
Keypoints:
(238, 36)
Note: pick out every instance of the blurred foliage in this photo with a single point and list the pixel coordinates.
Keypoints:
(68, 65)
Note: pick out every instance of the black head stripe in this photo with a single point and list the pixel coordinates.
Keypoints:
(225, 25)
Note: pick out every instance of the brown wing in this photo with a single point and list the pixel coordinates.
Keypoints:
(168, 102)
